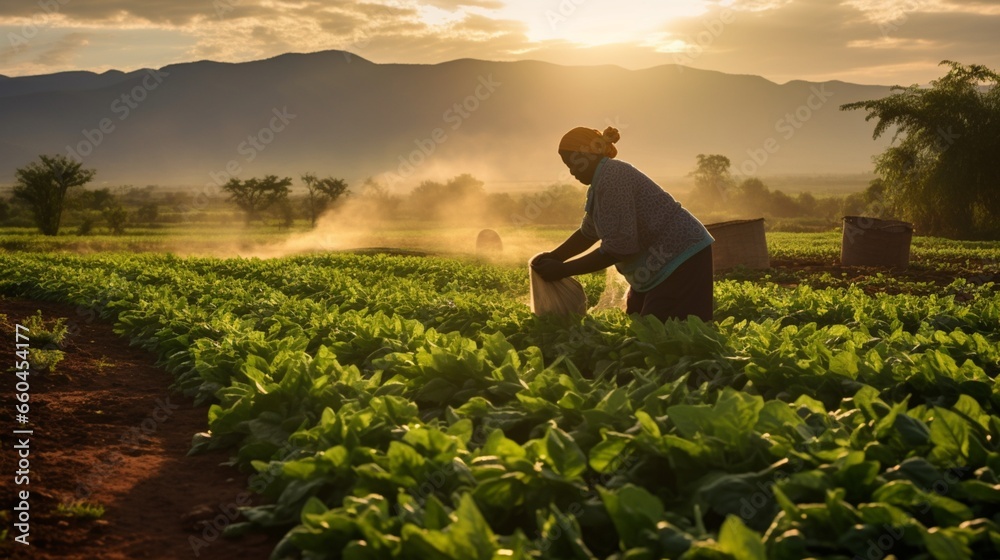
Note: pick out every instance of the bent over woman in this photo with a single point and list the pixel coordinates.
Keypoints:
(664, 252)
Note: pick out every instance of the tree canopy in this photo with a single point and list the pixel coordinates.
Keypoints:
(941, 171)
(712, 179)
(255, 195)
(322, 194)
(42, 185)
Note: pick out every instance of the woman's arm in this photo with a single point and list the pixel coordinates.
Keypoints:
(573, 246)
(591, 262)
(552, 270)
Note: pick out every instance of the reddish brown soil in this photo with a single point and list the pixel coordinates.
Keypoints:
(108, 429)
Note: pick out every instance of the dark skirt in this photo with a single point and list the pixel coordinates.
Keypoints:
(687, 291)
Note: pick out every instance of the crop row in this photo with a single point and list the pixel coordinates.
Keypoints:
(403, 407)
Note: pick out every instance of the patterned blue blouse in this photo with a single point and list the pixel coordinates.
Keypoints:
(640, 224)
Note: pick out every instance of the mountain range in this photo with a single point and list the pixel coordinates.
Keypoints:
(335, 113)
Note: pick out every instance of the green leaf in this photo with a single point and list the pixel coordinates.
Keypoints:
(739, 541)
(468, 537)
(912, 431)
(845, 363)
(607, 455)
(777, 417)
(499, 445)
(950, 436)
(435, 514)
(811, 404)
(564, 454)
(945, 547)
(501, 492)
(647, 423)
(905, 494)
(979, 491)
(470, 533)
(884, 515)
(632, 510)
(731, 419)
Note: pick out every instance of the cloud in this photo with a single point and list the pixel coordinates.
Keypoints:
(816, 39)
(452, 5)
(874, 41)
(105, 10)
(64, 51)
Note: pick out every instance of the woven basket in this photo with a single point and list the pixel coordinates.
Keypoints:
(875, 242)
(488, 242)
(739, 243)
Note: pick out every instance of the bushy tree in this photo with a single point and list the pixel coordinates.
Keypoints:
(942, 174)
(752, 197)
(323, 193)
(116, 217)
(460, 198)
(42, 186)
(256, 195)
(712, 180)
(148, 212)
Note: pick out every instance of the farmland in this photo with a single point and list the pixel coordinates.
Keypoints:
(395, 406)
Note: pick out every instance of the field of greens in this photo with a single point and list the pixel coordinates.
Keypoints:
(412, 407)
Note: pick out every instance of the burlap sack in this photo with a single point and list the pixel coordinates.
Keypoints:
(561, 297)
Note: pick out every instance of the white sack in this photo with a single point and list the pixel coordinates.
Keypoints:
(561, 297)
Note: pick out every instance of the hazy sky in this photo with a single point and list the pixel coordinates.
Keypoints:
(866, 41)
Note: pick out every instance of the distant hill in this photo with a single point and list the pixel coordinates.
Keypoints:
(335, 113)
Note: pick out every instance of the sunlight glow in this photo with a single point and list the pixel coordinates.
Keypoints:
(598, 22)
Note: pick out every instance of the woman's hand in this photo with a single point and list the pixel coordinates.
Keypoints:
(543, 256)
(549, 269)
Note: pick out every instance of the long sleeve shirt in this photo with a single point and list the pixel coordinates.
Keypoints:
(640, 224)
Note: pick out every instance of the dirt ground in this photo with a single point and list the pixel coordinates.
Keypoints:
(108, 430)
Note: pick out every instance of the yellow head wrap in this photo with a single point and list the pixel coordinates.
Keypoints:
(591, 141)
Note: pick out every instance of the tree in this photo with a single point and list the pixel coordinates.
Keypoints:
(753, 197)
(148, 212)
(943, 175)
(256, 195)
(322, 194)
(374, 202)
(284, 212)
(42, 185)
(461, 198)
(116, 217)
(712, 180)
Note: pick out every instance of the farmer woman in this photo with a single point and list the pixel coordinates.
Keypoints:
(663, 251)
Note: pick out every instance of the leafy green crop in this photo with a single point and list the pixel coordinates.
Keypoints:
(407, 407)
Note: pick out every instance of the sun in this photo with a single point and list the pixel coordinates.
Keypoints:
(590, 23)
